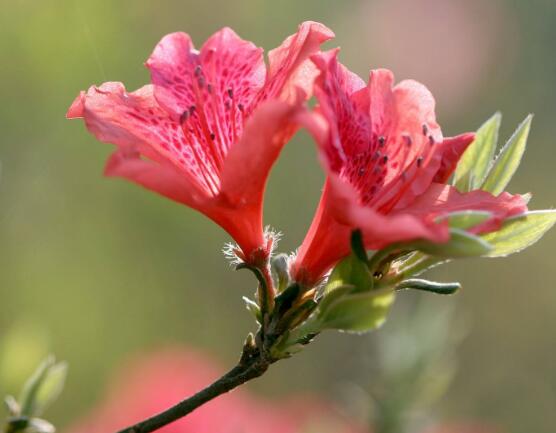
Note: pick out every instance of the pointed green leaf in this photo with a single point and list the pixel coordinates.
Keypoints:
(520, 232)
(358, 312)
(507, 161)
(253, 308)
(473, 165)
(44, 386)
(51, 387)
(429, 286)
(461, 244)
(465, 219)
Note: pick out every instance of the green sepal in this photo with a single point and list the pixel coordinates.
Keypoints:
(280, 273)
(357, 312)
(461, 244)
(520, 232)
(351, 271)
(506, 163)
(429, 286)
(358, 247)
(475, 162)
(465, 219)
(285, 300)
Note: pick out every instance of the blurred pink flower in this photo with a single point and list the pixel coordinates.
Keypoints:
(386, 163)
(208, 129)
(154, 382)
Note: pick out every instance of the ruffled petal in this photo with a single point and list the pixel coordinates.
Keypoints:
(172, 65)
(136, 120)
(345, 109)
(412, 137)
(248, 164)
(441, 199)
(289, 67)
(452, 150)
(162, 179)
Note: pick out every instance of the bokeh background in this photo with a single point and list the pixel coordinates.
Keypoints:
(95, 269)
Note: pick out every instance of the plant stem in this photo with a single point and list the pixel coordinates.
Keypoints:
(250, 366)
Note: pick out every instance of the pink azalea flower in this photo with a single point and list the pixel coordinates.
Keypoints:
(154, 382)
(387, 164)
(207, 130)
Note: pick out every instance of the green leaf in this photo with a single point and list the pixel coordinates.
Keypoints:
(253, 308)
(461, 244)
(351, 271)
(520, 232)
(465, 219)
(357, 312)
(429, 286)
(43, 387)
(280, 271)
(507, 161)
(473, 165)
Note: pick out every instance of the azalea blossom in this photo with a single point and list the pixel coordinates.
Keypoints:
(207, 130)
(150, 383)
(387, 165)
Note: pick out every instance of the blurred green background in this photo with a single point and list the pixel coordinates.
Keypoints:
(95, 269)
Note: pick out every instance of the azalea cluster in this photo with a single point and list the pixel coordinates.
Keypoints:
(208, 129)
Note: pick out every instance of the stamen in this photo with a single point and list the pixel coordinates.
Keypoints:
(192, 110)
(381, 141)
(212, 136)
(425, 129)
(419, 161)
(230, 92)
(198, 71)
(408, 140)
(384, 159)
(184, 116)
(431, 140)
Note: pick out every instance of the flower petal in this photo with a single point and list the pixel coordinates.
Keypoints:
(338, 93)
(441, 199)
(379, 230)
(289, 66)
(172, 65)
(136, 120)
(452, 150)
(248, 164)
(164, 180)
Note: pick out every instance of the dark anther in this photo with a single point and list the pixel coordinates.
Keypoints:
(192, 109)
(381, 141)
(240, 107)
(184, 116)
(209, 88)
(408, 140)
(230, 92)
(431, 140)
(212, 136)
(197, 70)
(419, 161)
(385, 159)
(425, 129)
(201, 81)
(375, 156)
